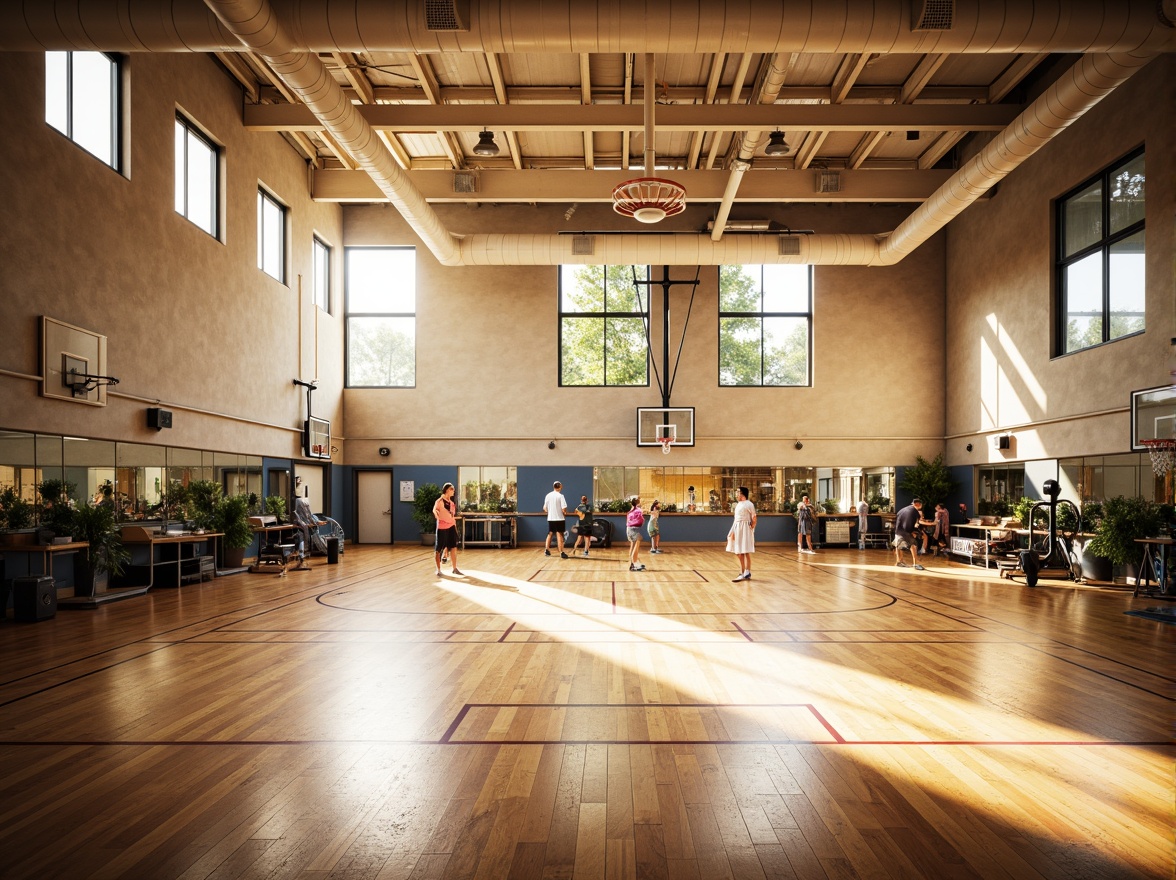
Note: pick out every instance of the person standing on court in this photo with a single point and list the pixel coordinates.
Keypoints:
(863, 512)
(445, 512)
(654, 527)
(806, 523)
(557, 511)
(905, 523)
(741, 538)
(634, 520)
(584, 529)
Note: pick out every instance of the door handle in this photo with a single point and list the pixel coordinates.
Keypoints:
(388, 512)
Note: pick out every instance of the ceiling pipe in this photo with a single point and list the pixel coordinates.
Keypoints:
(256, 26)
(769, 91)
(684, 26)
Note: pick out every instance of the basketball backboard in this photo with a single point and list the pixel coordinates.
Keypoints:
(69, 353)
(655, 423)
(1153, 415)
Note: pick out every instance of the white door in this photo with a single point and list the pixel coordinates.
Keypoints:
(374, 507)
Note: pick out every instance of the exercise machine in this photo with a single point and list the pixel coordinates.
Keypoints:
(1052, 556)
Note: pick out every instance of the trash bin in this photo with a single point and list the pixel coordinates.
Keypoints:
(34, 598)
(332, 551)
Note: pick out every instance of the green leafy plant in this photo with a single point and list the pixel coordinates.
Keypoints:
(929, 480)
(204, 495)
(275, 505)
(1123, 520)
(879, 503)
(15, 512)
(177, 500)
(423, 500)
(95, 524)
(1022, 510)
(831, 505)
(232, 518)
(56, 513)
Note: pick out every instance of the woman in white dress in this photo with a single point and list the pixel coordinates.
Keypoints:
(741, 539)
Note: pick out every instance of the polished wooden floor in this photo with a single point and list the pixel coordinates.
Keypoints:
(835, 717)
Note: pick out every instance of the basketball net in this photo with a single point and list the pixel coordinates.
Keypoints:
(666, 443)
(1162, 453)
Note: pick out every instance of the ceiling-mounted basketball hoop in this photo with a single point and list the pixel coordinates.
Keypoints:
(649, 199)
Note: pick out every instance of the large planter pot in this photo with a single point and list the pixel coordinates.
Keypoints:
(88, 582)
(234, 557)
(1094, 567)
(428, 539)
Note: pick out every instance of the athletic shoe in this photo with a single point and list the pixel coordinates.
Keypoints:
(562, 555)
(438, 572)
(546, 552)
(919, 568)
(459, 573)
(745, 576)
(585, 554)
(902, 565)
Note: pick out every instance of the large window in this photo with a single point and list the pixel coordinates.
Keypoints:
(271, 236)
(322, 274)
(765, 324)
(603, 324)
(380, 286)
(488, 489)
(82, 101)
(197, 177)
(1101, 257)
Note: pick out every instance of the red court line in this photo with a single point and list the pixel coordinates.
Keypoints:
(507, 633)
(742, 631)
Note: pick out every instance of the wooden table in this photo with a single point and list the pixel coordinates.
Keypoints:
(964, 545)
(1154, 549)
(45, 551)
(167, 558)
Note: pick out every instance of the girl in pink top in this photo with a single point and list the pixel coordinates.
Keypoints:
(445, 511)
(633, 523)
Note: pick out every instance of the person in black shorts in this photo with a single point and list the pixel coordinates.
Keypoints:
(584, 529)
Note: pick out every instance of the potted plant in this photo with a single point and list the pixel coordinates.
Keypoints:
(106, 556)
(422, 511)
(232, 519)
(57, 515)
(15, 512)
(929, 480)
(1123, 520)
(204, 495)
(275, 506)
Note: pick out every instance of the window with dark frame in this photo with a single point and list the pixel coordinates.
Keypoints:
(1100, 286)
(83, 101)
(379, 288)
(271, 236)
(603, 326)
(322, 274)
(765, 325)
(197, 177)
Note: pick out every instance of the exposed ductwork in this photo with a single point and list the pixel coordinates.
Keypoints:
(684, 26)
(257, 26)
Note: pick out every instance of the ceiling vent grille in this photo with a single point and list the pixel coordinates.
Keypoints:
(829, 182)
(583, 245)
(932, 15)
(790, 245)
(465, 182)
(447, 15)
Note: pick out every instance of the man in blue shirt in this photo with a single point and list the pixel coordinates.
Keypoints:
(905, 522)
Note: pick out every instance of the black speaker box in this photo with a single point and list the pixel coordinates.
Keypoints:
(158, 418)
(34, 598)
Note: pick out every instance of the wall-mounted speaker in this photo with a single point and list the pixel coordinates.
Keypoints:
(385, 451)
(158, 418)
(1000, 441)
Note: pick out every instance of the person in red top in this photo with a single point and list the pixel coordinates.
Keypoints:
(445, 512)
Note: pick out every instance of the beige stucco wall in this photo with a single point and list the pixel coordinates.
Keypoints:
(1000, 293)
(487, 358)
(192, 324)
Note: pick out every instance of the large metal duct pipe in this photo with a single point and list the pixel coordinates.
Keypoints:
(258, 28)
(769, 91)
(684, 26)
(1076, 91)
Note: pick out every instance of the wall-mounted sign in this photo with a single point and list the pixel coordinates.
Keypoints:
(407, 490)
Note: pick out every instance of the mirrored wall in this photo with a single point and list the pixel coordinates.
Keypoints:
(133, 477)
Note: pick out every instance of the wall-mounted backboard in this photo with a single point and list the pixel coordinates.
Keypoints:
(657, 422)
(1153, 415)
(68, 352)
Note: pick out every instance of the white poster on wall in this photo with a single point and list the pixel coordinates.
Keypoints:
(407, 490)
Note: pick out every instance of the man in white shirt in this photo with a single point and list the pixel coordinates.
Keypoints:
(557, 511)
(863, 512)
